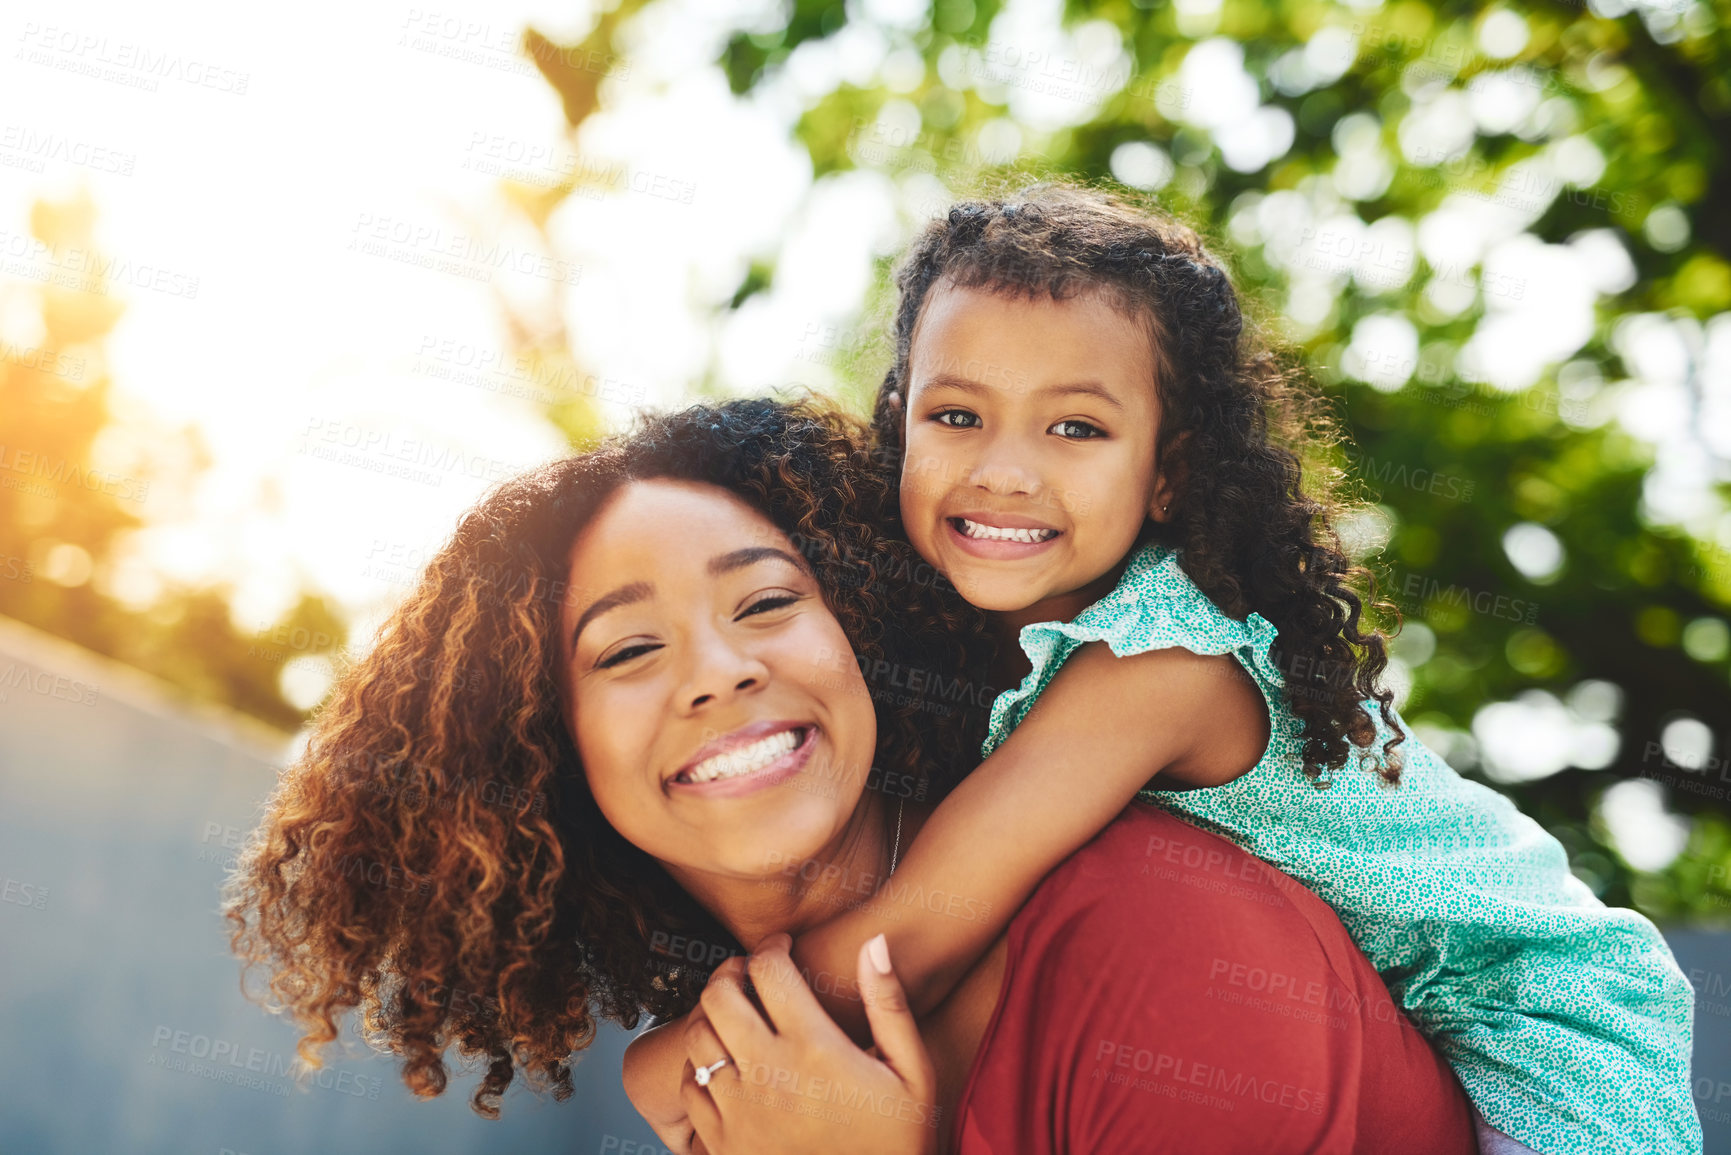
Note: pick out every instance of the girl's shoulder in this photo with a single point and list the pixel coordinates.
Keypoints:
(1154, 606)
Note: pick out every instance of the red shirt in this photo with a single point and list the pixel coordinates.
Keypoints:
(1164, 991)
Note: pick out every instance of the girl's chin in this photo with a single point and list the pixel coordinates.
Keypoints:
(992, 593)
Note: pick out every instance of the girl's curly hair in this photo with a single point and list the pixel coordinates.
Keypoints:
(435, 857)
(1233, 424)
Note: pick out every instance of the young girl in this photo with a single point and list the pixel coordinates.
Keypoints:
(1088, 453)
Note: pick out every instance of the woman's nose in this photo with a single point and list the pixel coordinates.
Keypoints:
(720, 671)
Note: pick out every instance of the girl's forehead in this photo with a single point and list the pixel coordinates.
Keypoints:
(1093, 305)
(999, 338)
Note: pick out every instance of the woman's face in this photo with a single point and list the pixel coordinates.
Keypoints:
(717, 705)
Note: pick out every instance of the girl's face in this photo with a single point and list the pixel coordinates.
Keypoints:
(720, 714)
(1031, 428)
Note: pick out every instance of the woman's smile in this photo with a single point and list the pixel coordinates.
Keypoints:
(751, 758)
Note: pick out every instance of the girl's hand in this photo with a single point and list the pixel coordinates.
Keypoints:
(793, 1082)
(652, 1069)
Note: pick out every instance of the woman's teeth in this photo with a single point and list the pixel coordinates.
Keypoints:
(746, 759)
(992, 533)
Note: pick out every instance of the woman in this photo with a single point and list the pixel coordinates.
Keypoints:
(623, 710)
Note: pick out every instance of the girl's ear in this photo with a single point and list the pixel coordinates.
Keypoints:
(1168, 478)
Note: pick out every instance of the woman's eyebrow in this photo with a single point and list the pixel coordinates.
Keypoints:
(623, 596)
(750, 555)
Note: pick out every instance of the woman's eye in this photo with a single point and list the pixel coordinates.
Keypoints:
(764, 605)
(625, 655)
(957, 418)
(1080, 430)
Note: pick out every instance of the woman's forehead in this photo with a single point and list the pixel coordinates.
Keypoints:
(669, 514)
(667, 531)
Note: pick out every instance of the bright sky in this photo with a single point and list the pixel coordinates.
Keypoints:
(299, 169)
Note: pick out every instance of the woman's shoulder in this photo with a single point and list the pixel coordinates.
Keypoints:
(1146, 872)
(1161, 977)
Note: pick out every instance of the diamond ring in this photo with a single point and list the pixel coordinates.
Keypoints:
(704, 1074)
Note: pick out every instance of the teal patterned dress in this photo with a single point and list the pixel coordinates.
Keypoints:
(1567, 1021)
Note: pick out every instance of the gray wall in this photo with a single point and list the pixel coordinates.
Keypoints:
(114, 967)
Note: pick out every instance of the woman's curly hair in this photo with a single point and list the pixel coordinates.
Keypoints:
(435, 857)
(1234, 422)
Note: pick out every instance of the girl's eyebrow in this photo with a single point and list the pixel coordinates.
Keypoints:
(1069, 388)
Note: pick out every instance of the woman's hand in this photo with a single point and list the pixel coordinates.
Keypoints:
(793, 1082)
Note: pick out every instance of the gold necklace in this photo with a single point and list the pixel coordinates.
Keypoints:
(895, 852)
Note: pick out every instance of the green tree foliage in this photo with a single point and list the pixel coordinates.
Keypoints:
(77, 473)
(1587, 124)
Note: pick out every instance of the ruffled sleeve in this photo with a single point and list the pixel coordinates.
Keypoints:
(1155, 606)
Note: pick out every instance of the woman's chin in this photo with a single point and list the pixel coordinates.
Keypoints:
(783, 847)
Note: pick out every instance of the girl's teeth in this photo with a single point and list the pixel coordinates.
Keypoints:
(992, 533)
(746, 759)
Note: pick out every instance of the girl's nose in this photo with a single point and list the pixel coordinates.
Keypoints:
(1002, 474)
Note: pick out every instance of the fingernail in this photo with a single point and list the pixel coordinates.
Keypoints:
(879, 950)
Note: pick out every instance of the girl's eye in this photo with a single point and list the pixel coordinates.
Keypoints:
(963, 419)
(1079, 430)
(764, 605)
(618, 657)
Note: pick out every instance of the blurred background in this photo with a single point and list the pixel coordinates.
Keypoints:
(280, 297)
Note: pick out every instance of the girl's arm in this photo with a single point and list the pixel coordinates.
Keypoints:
(654, 1064)
(1101, 730)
